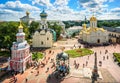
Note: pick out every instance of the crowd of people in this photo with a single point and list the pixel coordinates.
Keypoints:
(104, 54)
(37, 65)
(47, 59)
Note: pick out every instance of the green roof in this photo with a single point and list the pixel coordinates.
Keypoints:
(43, 14)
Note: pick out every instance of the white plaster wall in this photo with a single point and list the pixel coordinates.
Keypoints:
(42, 37)
(94, 36)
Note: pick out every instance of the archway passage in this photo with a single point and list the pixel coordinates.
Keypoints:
(110, 40)
(98, 41)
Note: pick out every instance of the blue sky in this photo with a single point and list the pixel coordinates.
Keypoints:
(12, 10)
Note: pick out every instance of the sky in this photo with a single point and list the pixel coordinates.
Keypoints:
(12, 10)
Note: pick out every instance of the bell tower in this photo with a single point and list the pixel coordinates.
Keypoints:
(20, 35)
(93, 22)
(43, 16)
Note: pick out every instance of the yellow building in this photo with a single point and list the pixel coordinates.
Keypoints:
(93, 34)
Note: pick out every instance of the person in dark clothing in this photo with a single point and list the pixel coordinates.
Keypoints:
(26, 80)
(15, 79)
(107, 57)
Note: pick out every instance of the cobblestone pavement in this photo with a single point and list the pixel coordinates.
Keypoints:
(109, 69)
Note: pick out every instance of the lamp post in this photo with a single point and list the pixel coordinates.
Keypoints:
(95, 74)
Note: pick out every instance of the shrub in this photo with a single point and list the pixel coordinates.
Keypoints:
(37, 56)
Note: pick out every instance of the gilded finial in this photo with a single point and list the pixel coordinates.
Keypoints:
(84, 26)
(20, 26)
(27, 13)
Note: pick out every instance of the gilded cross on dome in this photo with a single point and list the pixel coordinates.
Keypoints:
(20, 26)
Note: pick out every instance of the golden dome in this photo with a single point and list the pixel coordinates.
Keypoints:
(27, 13)
(20, 26)
(93, 18)
(84, 25)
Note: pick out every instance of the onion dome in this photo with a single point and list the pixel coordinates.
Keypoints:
(27, 13)
(84, 25)
(93, 18)
(62, 56)
(20, 26)
(43, 14)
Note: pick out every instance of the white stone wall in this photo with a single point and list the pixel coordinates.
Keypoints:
(42, 39)
(102, 36)
(94, 36)
(115, 33)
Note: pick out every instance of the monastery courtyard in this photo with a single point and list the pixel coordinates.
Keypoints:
(109, 71)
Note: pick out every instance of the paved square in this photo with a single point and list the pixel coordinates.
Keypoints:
(110, 71)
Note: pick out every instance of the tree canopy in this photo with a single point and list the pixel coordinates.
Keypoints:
(109, 23)
(8, 32)
(33, 27)
(57, 29)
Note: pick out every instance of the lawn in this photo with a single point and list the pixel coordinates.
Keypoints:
(117, 56)
(37, 55)
(79, 52)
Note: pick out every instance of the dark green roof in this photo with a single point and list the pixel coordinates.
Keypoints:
(54, 34)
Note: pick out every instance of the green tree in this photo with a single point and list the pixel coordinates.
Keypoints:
(37, 55)
(33, 27)
(57, 29)
(8, 32)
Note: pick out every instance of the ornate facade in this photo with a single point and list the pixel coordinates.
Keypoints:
(21, 55)
(93, 34)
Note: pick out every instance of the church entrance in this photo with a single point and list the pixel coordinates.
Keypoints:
(98, 41)
(110, 40)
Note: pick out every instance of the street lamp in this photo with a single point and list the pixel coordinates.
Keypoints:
(95, 74)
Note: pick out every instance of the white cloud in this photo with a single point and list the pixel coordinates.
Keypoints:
(61, 2)
(9, 15)
(93, 4)
(42, 2)
(116, 10)
(17, 6)
(14, 10)
(111, 14)
(108, 16)
(58, 10)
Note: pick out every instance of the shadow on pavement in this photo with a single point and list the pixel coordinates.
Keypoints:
(54, 78)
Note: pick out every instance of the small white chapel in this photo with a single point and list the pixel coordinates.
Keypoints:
(44, 36)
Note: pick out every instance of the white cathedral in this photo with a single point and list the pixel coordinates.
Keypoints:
(93, 34)
(27, 18)
(43, 37)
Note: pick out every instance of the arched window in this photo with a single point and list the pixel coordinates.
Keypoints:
(41, 42)
(47, 38)
(92, 24)
(98, 41)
